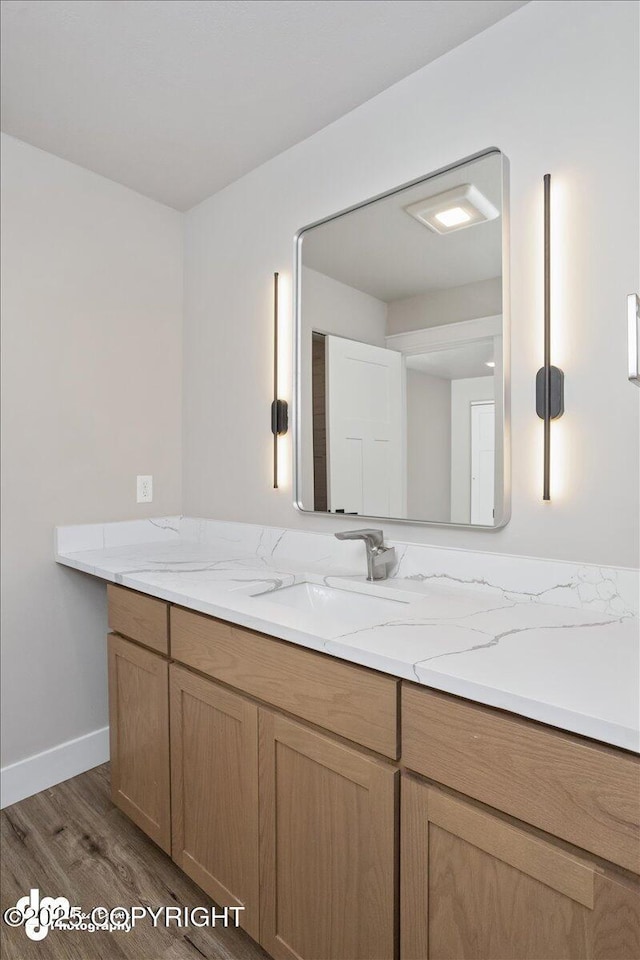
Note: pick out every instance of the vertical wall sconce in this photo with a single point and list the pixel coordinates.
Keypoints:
(633, 315)
(279, 408)
(549, 379)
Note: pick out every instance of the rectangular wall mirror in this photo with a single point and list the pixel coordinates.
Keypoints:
(402, 353)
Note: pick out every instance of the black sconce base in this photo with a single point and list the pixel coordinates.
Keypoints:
(556, 393)
(279, 417)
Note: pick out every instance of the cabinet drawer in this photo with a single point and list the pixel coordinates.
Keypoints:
(349, 700)
(572, 788)
(139, 617)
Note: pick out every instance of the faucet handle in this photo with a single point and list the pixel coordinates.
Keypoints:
(373, 538)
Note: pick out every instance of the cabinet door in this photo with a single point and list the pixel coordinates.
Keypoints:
(327, 847)
(475, 886)
(139, 735)
(214, 791)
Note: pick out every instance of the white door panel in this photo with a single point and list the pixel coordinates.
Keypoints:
(482, 462)
(365, 412)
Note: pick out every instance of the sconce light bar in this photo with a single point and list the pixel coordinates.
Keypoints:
(279, 408)
(633, 310)
(549, 379)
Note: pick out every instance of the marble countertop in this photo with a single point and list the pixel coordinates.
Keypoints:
(557, 643)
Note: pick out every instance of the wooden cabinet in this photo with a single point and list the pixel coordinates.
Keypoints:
(479, 886)
(139, 735)
(327, 831)
(293, 816)
(214, 790)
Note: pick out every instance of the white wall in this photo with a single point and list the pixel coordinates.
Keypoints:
(92, 301)
(335, 307)
(449, 305)
(555, 87)
(428, 446)
(463, 393)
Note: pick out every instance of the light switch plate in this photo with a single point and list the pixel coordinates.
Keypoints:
(144, 488)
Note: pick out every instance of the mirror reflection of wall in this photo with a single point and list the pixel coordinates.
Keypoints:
(401, 347)
(451, 412)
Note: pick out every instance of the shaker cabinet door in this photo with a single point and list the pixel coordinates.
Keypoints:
(214, 791)
(327, 835)
(139, 735)
(475, 886)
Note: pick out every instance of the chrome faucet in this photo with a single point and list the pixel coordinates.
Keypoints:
(379, 557)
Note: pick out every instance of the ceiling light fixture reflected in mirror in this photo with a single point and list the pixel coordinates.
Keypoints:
(453, 217)
(454, 209)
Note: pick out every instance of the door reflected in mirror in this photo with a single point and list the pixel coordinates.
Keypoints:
(401, 339)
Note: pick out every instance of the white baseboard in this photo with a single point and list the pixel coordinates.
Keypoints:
(46, 769)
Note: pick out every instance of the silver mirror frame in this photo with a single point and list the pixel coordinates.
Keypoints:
(505, 514)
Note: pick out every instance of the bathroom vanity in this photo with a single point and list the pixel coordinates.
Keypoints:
(351, 812)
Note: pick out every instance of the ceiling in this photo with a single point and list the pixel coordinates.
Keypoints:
(465, 360)
(178, 98)
(383, 251)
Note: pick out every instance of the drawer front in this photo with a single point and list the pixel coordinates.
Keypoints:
(351, 701)
(139, 617)
(574, 789)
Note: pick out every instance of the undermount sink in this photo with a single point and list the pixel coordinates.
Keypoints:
(342, 610)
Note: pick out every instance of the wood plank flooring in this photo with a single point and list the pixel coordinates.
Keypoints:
(70, 841)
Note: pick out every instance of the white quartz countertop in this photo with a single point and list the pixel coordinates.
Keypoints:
(561, 646)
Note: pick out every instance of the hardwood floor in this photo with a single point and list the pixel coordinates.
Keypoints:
(70, 841)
